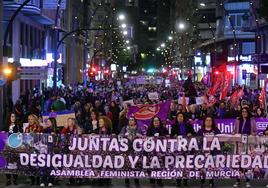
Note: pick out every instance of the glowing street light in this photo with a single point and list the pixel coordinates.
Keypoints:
(202, 4)
(127, 41)
(170, 38)
(158, 49)
(124, 32)
(124, 26)
(121, 17)
(128, 47)
(181, 26)
(7, 71)
(163, 45)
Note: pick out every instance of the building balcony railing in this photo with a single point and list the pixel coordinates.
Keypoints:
(33, 7)
(237, 6)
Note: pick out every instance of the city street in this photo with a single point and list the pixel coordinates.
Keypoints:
(134, 93)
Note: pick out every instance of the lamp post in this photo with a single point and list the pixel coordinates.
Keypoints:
(55, 39)
(1, 62)
(4, 91)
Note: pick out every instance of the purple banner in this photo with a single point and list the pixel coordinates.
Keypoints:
(145, 113)
(104, 156)
(226, 126)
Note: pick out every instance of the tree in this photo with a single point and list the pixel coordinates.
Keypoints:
(263, 10)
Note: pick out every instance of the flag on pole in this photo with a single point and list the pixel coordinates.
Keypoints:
(262, 97)
(216, 85)
(236, 96)
(183, 103)
(225, 86)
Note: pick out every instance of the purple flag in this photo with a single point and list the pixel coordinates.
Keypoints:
(145, 113)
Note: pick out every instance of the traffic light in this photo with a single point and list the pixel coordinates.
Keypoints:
(11, 71)
(92, 72)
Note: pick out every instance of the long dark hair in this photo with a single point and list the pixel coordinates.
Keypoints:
(9, 117)
(54, 124)
(184, 118)
(214, 126)
(152, 122)
(248, 112)
(96, 113)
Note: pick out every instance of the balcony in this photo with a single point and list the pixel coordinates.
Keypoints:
(32, 10)
(237, 6)
(33, 7)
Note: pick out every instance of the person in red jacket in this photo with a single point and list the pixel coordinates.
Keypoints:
(70, 127)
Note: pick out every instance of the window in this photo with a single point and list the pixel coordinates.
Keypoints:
(236, 20)
(248, 48)
(21, 33)
(27, 35)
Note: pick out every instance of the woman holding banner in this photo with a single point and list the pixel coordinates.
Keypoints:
(209, 128)
(51, 128)
(12, 127)
(245, 125)
(181, 128)
(156, 129)
(131, 131)
(105, 128)
(33, 127)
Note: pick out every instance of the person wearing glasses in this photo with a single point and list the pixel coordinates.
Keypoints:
(245, 125)
(131, 131)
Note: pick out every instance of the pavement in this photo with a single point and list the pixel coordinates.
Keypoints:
(143, 184)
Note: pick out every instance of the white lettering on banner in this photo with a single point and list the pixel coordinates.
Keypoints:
(24, 159)
(93, 144)
(164, 174)
(73, 173)
(163, 156)
(132, 161)
(246, 161)
(128, 174)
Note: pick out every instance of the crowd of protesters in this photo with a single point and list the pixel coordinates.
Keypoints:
(99, 109)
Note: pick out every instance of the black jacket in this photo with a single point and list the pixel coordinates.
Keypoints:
(176, 131)
(161, 130)
(16, 129)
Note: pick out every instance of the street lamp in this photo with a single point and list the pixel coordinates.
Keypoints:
(121, 17)
(158, 49)
(202, 4)
(128, 47)
(7, 71)
(170, 38)
(125, 32)
(163, 45)
(123, 26)
(127, 41)
(181, 26)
